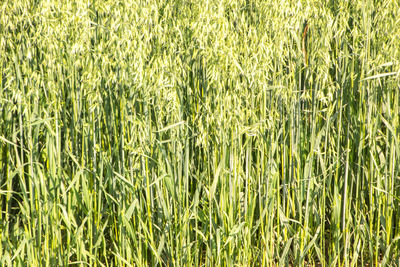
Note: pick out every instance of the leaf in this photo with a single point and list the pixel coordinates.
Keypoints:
(380, 75)
(131, 208)
(170, 127)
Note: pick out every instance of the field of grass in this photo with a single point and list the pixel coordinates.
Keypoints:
(199, 133)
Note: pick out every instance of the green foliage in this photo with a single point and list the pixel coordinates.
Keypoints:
(199, 133)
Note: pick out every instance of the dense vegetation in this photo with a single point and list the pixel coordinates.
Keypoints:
(199, 133)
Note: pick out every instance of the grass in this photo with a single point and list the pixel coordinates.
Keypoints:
(199, 133)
